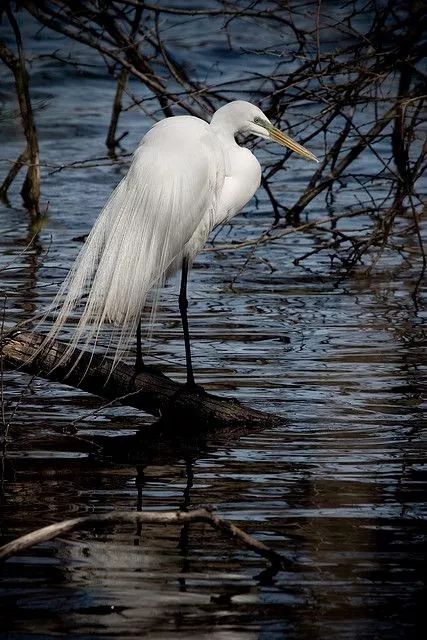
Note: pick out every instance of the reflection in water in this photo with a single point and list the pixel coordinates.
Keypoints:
(338, 488)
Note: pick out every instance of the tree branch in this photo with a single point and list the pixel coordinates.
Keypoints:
(148, 517)
(31, 188)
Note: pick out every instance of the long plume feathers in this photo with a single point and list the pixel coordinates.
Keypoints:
(162, 208)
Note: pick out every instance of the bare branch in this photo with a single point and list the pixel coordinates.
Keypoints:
(146, 517)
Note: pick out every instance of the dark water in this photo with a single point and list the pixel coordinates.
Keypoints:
(338, 488)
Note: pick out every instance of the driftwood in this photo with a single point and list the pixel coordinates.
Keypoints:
(148, 517)
(155, 393)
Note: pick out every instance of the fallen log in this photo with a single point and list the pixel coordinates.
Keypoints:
(153, 392)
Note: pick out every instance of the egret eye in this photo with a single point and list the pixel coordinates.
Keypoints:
(262, 122)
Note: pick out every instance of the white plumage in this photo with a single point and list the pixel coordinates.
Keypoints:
(186, 177)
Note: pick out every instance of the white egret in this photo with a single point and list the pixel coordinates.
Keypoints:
(186, 178)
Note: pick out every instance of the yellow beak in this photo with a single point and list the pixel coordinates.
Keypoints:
(286, 141)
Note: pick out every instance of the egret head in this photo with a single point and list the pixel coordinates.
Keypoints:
(243, 117)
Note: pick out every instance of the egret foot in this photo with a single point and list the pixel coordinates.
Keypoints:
(193, 388)
(188, 388)
(139, 368)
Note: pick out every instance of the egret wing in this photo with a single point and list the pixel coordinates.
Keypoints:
(174, 181)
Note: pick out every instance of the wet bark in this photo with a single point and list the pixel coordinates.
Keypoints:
(178, 406)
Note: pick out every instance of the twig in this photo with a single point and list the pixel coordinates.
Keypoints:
(268, 236)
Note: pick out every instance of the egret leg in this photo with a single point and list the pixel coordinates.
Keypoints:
(139, 362)
(183, 306)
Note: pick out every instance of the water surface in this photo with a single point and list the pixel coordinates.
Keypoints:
(338, 488)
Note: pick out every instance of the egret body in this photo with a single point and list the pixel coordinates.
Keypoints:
(186, 178)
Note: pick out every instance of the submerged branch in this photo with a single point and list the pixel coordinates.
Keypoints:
(147, 517)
